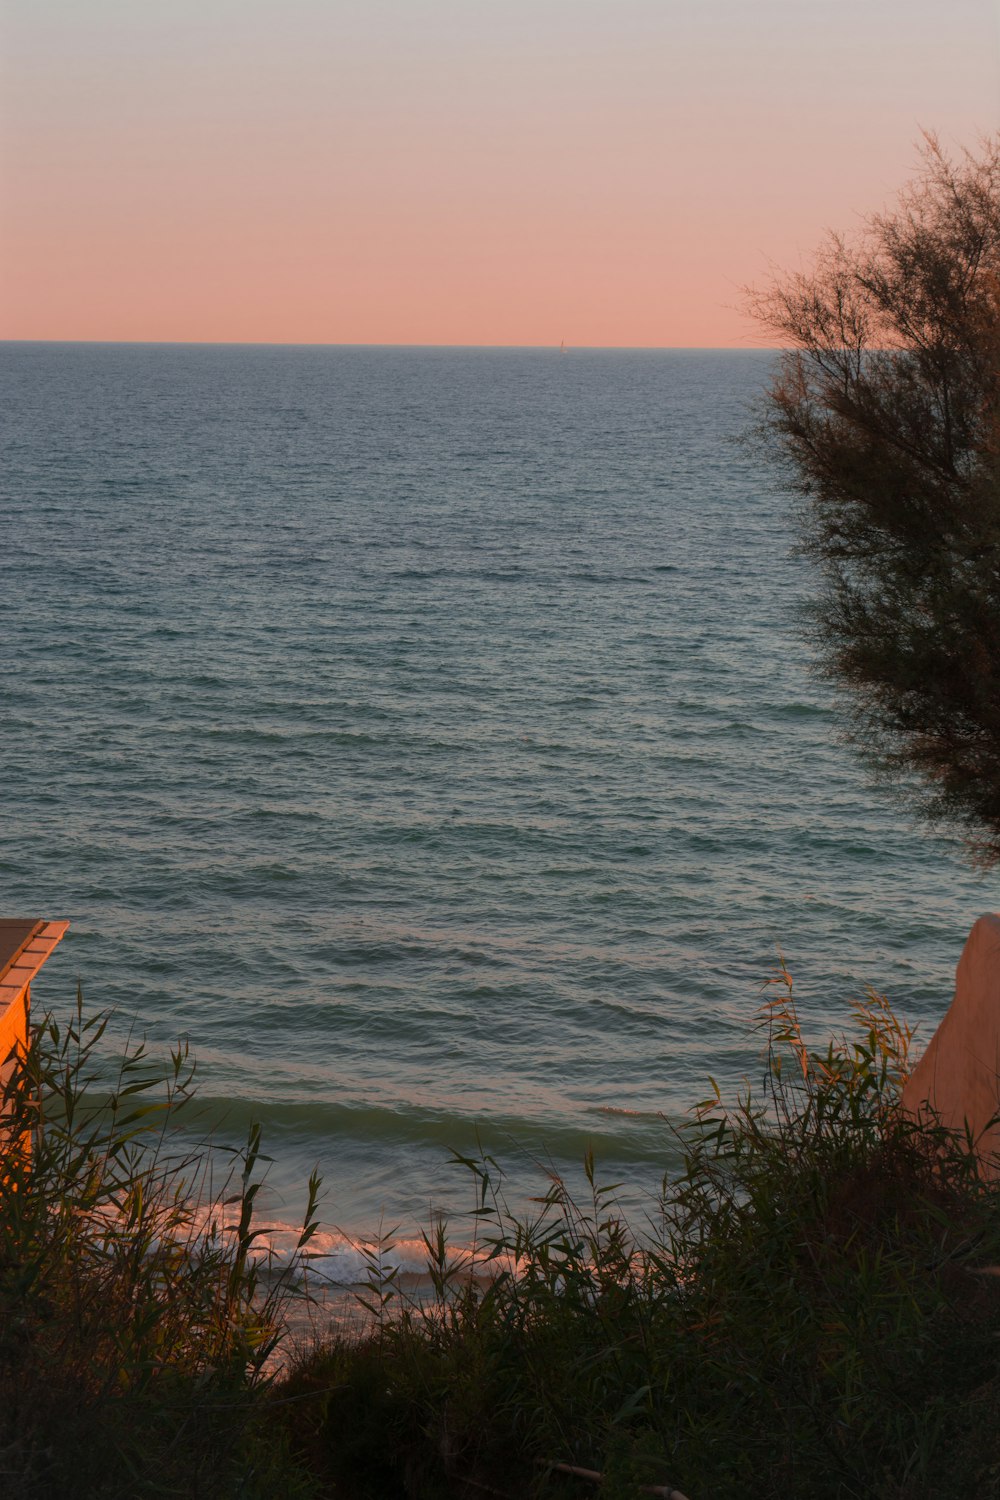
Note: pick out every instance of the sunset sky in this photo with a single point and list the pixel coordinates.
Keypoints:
(608, 172)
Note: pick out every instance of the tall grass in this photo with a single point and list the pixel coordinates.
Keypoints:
(135, 1331)
(808, 1312)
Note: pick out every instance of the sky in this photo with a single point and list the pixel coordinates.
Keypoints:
(604, 172)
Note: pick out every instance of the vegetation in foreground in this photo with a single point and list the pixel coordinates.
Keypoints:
(809, 1311)
(134, 1331)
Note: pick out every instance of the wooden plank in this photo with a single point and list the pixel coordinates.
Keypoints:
(24, 961)
(24, 947)
(15, 935)
(19, 976)
(14, 1027)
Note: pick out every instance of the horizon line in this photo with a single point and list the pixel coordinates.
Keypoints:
(385, 344)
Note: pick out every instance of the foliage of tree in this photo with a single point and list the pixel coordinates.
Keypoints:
(887, 405)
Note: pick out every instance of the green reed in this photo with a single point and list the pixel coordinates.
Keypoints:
(135, 1331)
(808, 1311)
(808, 1308)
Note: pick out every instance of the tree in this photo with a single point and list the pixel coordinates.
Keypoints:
(886, 405)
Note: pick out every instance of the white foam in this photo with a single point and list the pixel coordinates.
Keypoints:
(329, 1254)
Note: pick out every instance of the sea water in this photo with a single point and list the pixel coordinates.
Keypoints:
(430, 736)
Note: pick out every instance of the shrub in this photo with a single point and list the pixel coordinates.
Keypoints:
(135, 1331)
(805, 1314)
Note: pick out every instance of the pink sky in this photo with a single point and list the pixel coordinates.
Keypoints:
(608, 172)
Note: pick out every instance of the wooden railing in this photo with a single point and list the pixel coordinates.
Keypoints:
(25, 944)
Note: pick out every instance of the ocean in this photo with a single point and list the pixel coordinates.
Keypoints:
(430, 737)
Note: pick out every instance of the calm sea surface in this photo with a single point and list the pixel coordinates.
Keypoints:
(428, 736)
